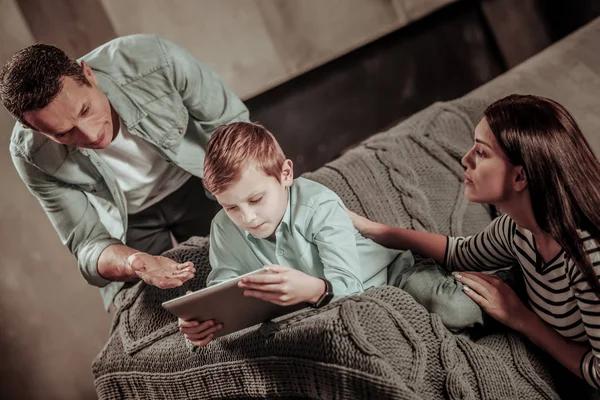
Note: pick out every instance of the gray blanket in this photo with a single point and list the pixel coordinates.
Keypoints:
(378, 345)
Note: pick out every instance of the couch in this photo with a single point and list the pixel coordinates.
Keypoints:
(381, 344)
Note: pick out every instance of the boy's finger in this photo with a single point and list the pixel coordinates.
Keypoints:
(264, 287)
(266, 296)
(205, 333)
(263, 278)
(200, 329)
(201, 343)
(275, 268)
(192, 324)
(187, 324)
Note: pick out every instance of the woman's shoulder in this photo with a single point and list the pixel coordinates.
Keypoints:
(591, 244)
(504, 225)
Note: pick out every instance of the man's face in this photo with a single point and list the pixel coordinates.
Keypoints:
(256, 202)
(79, 116)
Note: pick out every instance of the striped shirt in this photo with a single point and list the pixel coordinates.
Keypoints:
(557, 290)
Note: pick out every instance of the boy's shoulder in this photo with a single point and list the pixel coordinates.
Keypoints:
(222, 224)
(312, 194)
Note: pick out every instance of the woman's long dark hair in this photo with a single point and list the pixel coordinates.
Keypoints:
(562, 172)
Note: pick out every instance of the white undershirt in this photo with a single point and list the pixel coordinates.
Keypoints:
(142, 173)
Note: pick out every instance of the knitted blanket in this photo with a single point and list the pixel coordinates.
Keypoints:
(378, 345)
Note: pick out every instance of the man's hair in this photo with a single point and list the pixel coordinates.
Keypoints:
(32, 78)
(236, 146)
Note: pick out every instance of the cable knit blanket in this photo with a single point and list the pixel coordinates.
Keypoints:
(376, 346)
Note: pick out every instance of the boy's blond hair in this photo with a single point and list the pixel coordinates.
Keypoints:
(236, 146)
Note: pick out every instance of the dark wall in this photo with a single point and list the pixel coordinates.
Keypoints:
(447, 54)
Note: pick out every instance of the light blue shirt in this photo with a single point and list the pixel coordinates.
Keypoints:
(163, 96)
(315, 236)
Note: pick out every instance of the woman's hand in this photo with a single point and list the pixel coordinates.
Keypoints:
(365, 226)
(284, 286)
(496, 298)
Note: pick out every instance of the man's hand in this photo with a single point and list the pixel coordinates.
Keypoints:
(284, 286)
(160, 271)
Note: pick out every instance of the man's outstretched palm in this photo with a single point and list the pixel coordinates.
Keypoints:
(160, 271)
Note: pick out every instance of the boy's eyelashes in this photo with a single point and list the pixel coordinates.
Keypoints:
(252, 201)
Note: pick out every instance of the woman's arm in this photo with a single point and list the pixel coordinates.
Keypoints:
(501, 303)
(567, 352)
(488, 250)
(430, 245)
(588, 302)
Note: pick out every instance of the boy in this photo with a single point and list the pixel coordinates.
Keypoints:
(299, 229)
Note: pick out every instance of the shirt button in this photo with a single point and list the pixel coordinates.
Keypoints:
(280, 252)
(181, 131)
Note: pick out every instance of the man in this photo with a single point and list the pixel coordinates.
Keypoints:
(112, 146)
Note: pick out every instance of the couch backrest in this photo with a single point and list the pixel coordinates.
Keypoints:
(411, 175)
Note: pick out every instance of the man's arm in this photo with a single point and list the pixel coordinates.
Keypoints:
(101, 258)
(205, 96)
(113, 265)
(74, 218)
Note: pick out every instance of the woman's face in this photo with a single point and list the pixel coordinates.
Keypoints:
(489, 176)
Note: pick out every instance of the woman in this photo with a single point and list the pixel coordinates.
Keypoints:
(531, 161)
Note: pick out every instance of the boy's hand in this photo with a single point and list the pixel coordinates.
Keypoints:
(285, 286)
(160, 271)
(198, 333)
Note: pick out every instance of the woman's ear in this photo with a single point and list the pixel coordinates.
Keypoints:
(520, 180)
(287, 173)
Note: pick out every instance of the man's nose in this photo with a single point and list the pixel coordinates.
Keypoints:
(89, 132)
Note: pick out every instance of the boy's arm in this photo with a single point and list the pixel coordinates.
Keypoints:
(331, 229)
(221, 254)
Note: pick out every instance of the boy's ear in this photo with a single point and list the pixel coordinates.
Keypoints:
(287, 173)
(520, 180)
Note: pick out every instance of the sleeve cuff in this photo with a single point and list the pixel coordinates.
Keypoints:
(588, 367)
(445, 265)
(89, 263)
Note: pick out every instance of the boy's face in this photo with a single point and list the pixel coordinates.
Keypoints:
(256, 202)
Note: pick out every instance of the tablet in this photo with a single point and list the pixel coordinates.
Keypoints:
(225, 303)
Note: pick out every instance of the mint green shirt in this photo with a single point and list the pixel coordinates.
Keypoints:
(164, 96)
(315, 236)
